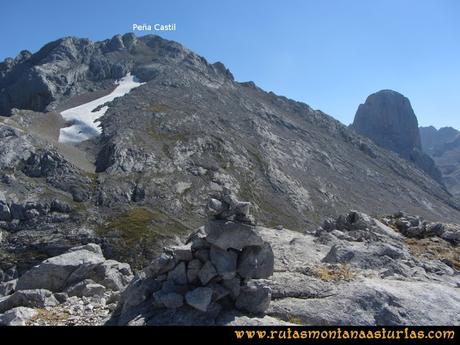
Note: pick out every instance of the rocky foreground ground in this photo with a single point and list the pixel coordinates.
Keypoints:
(354, 270)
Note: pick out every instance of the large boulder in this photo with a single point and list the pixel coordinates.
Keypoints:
(256, 262)
(227, 234)
(76, 265)
(53, 273)
(199, 298)
(373, 301)
(37, 298)
(17, 316)
(112, 274)
(254, 298)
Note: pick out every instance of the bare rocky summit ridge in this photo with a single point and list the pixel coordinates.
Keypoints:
(73, 66)
(388, 119)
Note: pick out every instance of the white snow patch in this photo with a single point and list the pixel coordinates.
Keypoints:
(84, 119)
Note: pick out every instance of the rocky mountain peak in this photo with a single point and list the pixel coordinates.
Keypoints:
(388, 119)
(71, 66)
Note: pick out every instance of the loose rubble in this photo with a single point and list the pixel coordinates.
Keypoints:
(417, 227)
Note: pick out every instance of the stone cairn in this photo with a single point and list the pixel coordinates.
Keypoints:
(219, 266)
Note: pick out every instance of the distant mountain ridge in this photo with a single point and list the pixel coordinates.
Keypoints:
(432, 138)
(443, 146)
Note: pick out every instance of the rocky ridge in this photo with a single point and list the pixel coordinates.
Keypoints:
(71, 67)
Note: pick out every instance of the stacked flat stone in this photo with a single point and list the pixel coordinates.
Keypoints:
(219, 266)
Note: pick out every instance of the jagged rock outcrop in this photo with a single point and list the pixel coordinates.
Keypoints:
(443, 146)
(416, 227)
(81, 274)
(388, 119)
(218, 269)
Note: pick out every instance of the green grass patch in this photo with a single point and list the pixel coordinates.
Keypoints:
(134, 234)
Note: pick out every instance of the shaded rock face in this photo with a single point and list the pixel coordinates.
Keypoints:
(388, 119)
(443, 146)
(183, 281)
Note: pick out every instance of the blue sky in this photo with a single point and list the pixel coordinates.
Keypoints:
(330, 54)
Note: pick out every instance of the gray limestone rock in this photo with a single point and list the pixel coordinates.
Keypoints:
(254, 298)
(171, 300)
(36, 298)
(256, 262)
(207, 272)
(233, 235)
(17, 316)
(199, 298)
(52, 274)
(182, 252)
(179, 274)
(160, 265)
(86, 288)
(224, 261)
(233, 285)
(193, 269)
